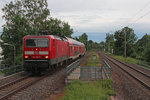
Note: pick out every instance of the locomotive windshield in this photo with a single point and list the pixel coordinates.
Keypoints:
(36, 42)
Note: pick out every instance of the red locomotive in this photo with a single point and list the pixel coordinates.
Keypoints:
(47, 51)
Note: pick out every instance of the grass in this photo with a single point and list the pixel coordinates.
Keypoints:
(11, 70)
(97, 90)
(1, 72)
(93, 63)
(144, 64)
(127, 60)
(130, 60)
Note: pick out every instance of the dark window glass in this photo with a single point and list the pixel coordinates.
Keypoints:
(71, 48)
(36, 42)
(53, 43)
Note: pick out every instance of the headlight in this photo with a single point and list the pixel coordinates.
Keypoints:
(26, 57)
(46, 57)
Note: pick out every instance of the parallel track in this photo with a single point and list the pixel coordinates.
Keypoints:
(138, 75)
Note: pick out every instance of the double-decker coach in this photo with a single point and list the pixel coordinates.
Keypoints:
(76, 49)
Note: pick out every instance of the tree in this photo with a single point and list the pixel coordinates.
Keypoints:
(90, 45)
(83, 38)
(22, 18)
(147, 52)
(102, 45)
(58, 27)
(109, 42)
(120, 41)
(35, 11)
(142, 47)
(28, 17)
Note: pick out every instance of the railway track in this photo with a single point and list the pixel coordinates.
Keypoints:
(13, 87)
(9, 89)
(12, 77)
(142, 77)
(13, 82)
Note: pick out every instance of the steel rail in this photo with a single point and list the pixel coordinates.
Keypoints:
(147, 75)
(9, 94)
(136, 78)
(13, 82)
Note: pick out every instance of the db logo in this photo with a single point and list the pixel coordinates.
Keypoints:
(36, 52)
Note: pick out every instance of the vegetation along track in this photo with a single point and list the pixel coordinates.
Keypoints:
(138, 75)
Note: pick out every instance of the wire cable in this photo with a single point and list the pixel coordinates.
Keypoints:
(142, 9)
(139, 18)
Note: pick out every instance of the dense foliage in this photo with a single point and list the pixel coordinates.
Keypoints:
(93, 62)
(89, 44)
(27, 17)
(137, 49)
(109, 42)
(142, 48)
(96, 90)
(31, 17)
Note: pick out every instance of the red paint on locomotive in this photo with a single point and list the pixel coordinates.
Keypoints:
(41, 52)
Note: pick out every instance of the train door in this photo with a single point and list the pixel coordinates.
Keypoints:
(71, 51)
(56, 51)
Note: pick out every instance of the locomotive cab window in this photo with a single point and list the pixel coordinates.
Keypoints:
(36, 42)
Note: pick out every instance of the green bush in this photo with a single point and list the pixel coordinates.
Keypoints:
(98, 90)
(131, 60)
(93, 63)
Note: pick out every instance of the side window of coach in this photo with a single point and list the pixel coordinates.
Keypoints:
(53, 43)
(70, 48)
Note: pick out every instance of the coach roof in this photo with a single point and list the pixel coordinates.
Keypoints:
(74, 42)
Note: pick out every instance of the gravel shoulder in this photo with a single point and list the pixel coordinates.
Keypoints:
(44, 88)
(1, 76)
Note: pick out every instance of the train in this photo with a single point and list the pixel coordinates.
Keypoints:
(44, 52)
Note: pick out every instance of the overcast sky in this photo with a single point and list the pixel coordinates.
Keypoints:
(97, 17)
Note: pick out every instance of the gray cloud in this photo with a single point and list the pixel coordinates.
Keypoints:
(100, 16)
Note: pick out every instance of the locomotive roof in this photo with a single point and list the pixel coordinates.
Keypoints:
(36, 36)
(70, 40)
(52, 36)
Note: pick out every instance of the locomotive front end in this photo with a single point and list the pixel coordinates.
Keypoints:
(36, 53)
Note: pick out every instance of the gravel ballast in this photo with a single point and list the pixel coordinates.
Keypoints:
(43, 88)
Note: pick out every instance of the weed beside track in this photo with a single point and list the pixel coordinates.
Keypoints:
(97, 90)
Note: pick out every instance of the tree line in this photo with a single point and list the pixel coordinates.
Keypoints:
(115, 43)
(32, 17)
(28, 17)
(89, 44)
